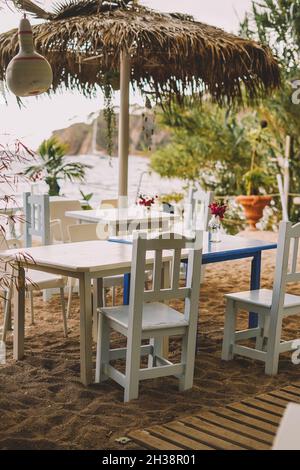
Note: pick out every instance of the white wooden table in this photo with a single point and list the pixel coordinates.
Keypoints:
(124, 220)
(97, 259)
(84, 261)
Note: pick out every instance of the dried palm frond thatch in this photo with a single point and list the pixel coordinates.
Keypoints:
(170, 53)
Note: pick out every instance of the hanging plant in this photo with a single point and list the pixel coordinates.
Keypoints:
(110, 117)
(148, 124)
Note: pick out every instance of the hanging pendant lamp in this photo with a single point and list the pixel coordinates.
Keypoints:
(28, 73)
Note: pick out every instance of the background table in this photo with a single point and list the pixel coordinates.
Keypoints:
(122, 220)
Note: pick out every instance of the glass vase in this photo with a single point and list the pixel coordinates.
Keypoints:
(214, 227)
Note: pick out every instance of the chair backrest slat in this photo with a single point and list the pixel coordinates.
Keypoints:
(295, 254)
(167, 294)
(157, 271)
(176, 269)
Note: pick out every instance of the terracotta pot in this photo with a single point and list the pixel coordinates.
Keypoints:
(253, 207)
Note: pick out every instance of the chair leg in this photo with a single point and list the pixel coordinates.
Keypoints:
(64, 315)
(70, 292)
(272, 356)
(133, 359)
(102, 357)
(260, 338)
(157, 344)
(229, 331)
(30, 293)
(188, 358)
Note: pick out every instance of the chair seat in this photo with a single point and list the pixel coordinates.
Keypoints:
(38, 280)
(263, 298)
(155, 316)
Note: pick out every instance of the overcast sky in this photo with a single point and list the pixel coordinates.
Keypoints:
(41, 116)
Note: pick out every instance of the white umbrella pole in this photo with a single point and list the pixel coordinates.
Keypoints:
(124, 128)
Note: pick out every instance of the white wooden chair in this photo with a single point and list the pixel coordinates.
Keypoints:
(288, 436)
(109, 204)
(57, 213)
(37, 218)
(200, 209)
(147, 318)
(272, 307)
(36, 280)
(197, 216)
(88, 232)
(197, 212)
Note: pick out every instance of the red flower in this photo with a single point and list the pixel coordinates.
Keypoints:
(146, 201)
(218, 209)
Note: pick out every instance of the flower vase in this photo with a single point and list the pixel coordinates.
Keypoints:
(214, 227)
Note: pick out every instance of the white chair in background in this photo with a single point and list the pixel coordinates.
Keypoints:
(57, 209)
(109, 204)
(288, 435)
(88, 232)
(35, 281)
(146, 317)
(197, 216)
(36, 218)
(272, 307)
(201, 214)
(45, 218)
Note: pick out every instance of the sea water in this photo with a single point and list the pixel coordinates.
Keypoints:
(102, 180)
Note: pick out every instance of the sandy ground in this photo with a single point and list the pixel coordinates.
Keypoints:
(44, 406)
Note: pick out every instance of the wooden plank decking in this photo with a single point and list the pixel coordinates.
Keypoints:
(248, 425)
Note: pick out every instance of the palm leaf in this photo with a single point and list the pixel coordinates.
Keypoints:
(30, 7)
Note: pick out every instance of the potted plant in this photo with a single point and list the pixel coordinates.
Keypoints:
(256, 181)
(53, 167)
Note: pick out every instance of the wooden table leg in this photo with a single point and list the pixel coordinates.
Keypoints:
(97, 302)
(19, 315)
(85, 329)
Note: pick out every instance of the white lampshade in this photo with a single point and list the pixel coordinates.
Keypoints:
(28, 73)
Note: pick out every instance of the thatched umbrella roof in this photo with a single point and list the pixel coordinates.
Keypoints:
(170, 53)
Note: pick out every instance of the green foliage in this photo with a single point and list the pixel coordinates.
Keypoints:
(277, 24)
(171, 197)
(216, 148)
(256, 179)
(52, 166)
(86, 197)
(109, 116)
